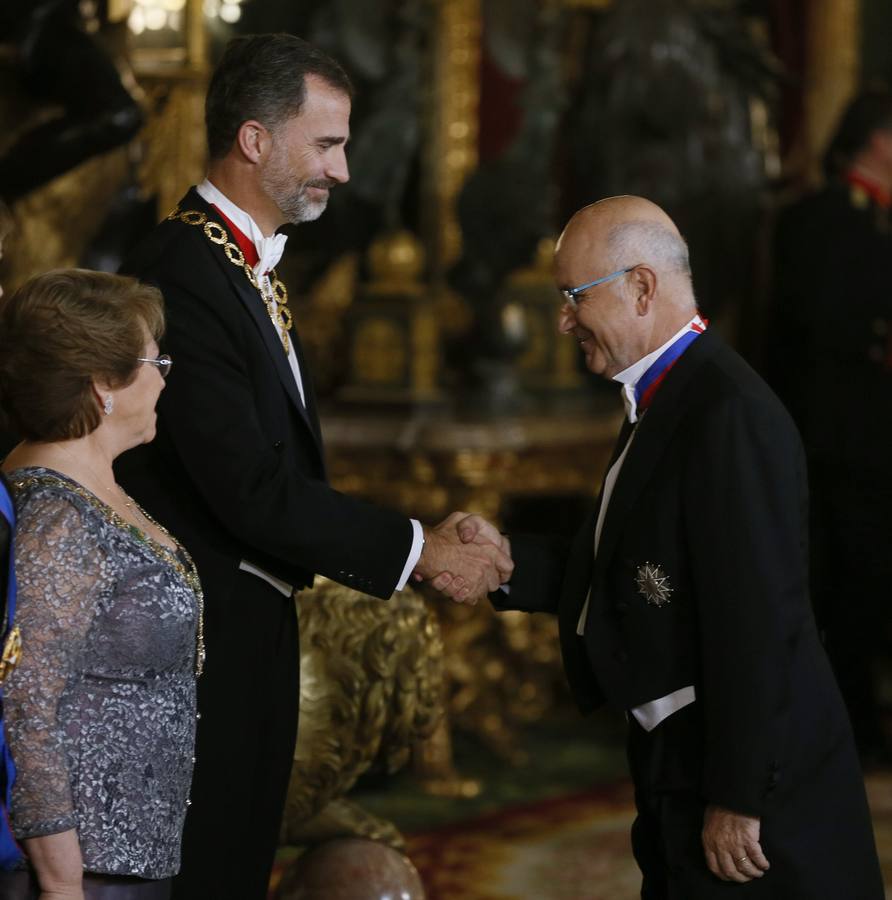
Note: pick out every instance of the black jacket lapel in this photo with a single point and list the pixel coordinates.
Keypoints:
(311, 411)
(253, 303)
(650, 441)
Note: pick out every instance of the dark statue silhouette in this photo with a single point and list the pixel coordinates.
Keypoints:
(61, 65)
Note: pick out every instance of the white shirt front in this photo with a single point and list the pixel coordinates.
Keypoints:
(649, 714)
(270, 251)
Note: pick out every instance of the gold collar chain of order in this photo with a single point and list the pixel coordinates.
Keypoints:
(272, 291)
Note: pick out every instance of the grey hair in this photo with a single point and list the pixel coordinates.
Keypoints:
(263, 77)
(633, 243)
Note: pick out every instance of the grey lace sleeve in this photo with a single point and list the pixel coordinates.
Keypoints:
(61, 573)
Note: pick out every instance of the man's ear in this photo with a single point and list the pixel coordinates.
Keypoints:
(253, 140)
(643, 282)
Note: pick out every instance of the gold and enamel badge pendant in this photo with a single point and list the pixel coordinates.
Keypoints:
(653, 584)
(12, 653)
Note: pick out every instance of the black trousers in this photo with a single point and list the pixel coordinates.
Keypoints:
(248, 702)
(665, 765)
(816, 834)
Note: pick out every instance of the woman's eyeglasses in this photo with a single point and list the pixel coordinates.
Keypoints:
(162, 362)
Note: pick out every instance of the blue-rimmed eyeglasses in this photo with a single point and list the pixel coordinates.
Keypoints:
(162, 362)
(571, 294)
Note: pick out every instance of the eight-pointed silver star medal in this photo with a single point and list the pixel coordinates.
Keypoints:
(653, 584)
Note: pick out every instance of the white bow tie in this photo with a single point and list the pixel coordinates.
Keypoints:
(269, 250)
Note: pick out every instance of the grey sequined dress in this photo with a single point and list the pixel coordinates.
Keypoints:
(100, 712)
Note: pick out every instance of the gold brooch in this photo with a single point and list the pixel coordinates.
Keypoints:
(12, 653)
(653, 584)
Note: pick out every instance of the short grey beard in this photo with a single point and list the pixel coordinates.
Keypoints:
(294, 205)
(298, 208)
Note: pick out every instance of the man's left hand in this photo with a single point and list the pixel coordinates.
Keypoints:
(731, 844)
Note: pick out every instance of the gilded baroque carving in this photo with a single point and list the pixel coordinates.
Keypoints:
(502, 670)
(174, 147)
(43, 237)
(453, 147)
(371, 687)
(832, 73)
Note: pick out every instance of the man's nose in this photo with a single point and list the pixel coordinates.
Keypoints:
(337, 169)
(566, 319)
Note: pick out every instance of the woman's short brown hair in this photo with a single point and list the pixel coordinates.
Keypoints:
(61, 330)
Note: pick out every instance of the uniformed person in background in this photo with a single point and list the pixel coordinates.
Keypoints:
(830, 359)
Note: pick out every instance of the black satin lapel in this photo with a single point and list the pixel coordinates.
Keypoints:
(624, 434)
(650, 441)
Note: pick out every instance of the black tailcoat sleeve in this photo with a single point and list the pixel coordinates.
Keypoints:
(237, 469)
(552, 575)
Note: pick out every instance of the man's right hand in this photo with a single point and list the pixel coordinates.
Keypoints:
(465, 568)
(731, 845)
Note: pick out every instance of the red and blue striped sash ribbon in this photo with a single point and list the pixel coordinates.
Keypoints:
(653, 377)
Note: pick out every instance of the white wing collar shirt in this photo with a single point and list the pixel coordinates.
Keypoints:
(270, 250)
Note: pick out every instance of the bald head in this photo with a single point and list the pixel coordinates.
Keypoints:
(649, 296)
(628, 231)
(619, 210)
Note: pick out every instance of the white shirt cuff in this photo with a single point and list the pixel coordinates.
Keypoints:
(414, 554)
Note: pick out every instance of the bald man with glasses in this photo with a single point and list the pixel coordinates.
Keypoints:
(683, 601)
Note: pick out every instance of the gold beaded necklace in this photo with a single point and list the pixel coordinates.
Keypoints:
(117, 492)
(184, 566)
(272, 291)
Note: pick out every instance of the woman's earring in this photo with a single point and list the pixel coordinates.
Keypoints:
(109, 405)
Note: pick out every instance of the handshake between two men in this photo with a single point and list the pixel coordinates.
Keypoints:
(464, 557)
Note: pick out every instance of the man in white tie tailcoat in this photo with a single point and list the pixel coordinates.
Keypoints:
(684, 600)
(237, 470)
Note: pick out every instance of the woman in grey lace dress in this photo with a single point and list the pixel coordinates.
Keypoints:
(100, 711)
